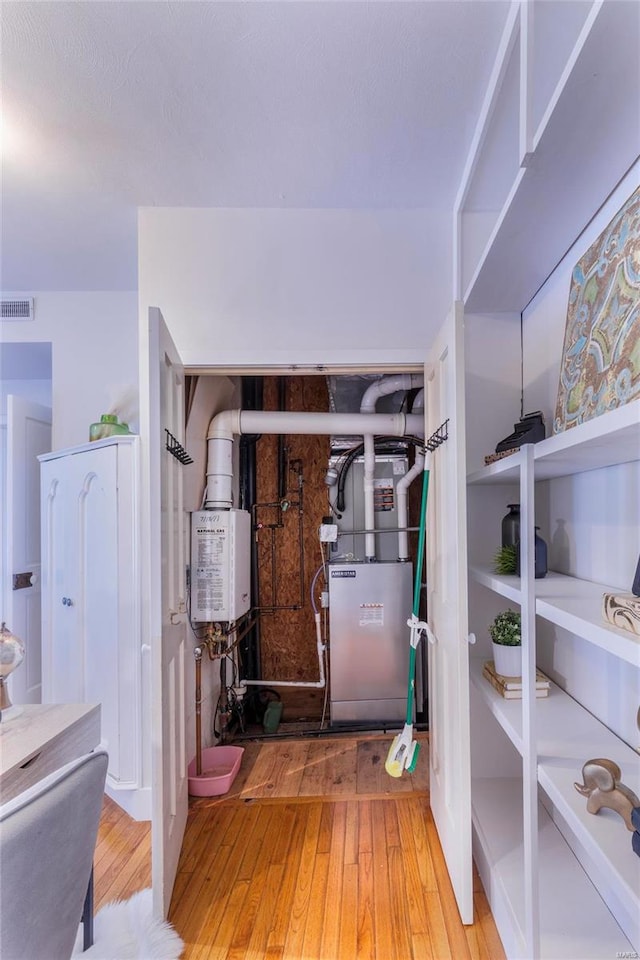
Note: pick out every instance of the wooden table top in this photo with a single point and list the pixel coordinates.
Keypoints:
(43, 738)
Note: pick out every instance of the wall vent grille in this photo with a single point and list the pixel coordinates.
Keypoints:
(15, 309)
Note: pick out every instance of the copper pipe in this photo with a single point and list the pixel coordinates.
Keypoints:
(198, 655)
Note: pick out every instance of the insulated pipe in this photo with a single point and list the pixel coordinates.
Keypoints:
(224, 426)
(316, 684)
(381, 388)
(402, 490)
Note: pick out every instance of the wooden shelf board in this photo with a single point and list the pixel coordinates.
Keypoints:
(506, 470)
(565, 730)
(603, 836)
(508, 713)
(506, 586)
(553, 202)
(608, 440)
(567, 736)
(576, 605)
(570, 603)
(574, 921)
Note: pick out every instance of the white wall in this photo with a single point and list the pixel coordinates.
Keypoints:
(249, 286)
(94, 356)
(594, 518)
(37, 391)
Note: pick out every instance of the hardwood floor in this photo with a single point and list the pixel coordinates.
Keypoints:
(122, 861)
(315, 854)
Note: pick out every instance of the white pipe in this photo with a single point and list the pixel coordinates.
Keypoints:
(381, 388)
(316, 684)
(224, 426)
(402, 489)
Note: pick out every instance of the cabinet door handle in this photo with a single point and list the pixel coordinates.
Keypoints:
(67, 602)
(471, 638)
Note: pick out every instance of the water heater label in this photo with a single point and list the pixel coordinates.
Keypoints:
(211, 557)
(343, 573)
(371, 615)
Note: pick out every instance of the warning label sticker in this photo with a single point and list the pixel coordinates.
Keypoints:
(371, 615)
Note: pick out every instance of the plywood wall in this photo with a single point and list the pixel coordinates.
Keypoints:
(288, 638)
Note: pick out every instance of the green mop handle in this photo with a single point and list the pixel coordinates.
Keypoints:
(416, 587)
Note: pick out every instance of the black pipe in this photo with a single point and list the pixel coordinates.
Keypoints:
(252, 393)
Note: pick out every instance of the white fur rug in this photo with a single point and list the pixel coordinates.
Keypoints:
(127, 930)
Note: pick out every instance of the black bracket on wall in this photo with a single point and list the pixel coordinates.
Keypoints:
(176, 449)
(438, 437)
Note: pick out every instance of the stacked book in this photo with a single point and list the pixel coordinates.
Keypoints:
(511, 687)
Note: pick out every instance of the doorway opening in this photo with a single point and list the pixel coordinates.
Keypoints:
(304, 493)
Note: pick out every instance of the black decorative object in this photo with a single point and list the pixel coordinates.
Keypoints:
(541, 557)
(540, 562)
(635, 589)
(511, 525)
(635, 823)
(176, 449)
(530, 429)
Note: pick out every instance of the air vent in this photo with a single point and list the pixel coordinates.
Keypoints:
(17, 309)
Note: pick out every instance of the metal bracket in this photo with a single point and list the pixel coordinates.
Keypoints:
(176, 449)
(438, 437)
(22, 580)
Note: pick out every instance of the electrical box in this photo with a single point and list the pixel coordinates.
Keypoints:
(220, 565)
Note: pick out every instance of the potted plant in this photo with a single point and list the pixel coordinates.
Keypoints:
(507, 640)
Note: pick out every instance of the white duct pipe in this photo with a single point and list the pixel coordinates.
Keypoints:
(316, 684)
(224, 426)
(381, 388)
(402, 490)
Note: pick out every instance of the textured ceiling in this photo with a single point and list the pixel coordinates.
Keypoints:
(108, 106)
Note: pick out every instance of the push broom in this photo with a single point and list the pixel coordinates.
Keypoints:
(403, 753)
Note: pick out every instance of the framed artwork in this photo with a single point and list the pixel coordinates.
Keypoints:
(600, 366)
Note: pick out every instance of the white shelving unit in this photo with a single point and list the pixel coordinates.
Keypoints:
(554, 736)
(548, 171)
(561, 882)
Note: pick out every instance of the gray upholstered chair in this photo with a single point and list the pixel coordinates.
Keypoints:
(47, 840)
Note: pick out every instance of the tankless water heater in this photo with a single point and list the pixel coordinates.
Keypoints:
(220, 565)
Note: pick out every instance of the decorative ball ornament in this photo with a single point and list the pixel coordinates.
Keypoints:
(11, 656)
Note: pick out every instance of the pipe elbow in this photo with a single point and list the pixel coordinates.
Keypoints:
(386, 386)
(224, 425)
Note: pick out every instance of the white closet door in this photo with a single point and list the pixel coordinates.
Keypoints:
(62, 656)
(450, 767)
(95, 512)
(28, 435)
(164, 556)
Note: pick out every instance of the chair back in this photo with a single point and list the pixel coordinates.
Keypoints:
(47, 841)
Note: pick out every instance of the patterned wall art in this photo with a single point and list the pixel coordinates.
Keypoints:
(600, 366)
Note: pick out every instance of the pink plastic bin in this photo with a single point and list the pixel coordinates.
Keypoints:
(219, 768)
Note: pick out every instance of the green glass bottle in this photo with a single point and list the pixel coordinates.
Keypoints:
(108, 426)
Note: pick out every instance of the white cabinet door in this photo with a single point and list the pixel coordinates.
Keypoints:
(449, 739)
(28, 435)
(62, 656)
(164, 613)
(91, 647)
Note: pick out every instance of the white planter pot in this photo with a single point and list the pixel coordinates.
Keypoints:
(507, 660)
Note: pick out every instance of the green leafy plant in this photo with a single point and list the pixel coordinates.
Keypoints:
(505, 560)
(505, 629)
